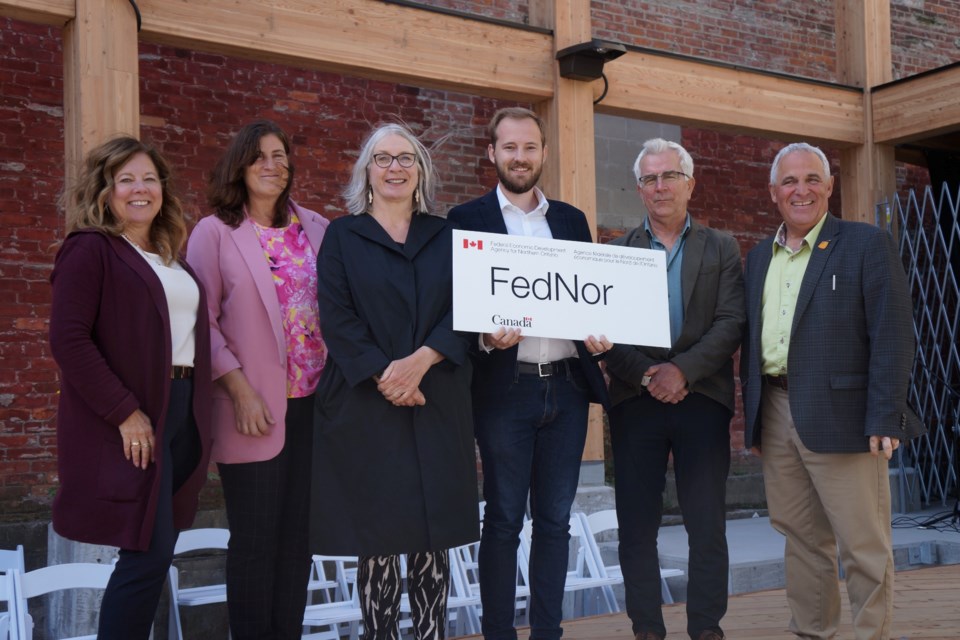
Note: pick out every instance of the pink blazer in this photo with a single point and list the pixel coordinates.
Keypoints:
(245, 327)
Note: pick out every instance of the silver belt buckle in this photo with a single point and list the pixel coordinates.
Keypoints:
(540, 372)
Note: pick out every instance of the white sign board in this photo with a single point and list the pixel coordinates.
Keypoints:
(559, 289)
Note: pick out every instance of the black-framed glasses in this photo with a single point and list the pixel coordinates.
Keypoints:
(384, 160)
(667, 177)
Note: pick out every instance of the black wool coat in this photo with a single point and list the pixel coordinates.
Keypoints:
(387, 479)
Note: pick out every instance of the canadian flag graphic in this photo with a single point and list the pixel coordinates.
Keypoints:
(470, 244)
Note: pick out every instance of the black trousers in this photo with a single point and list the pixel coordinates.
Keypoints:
(268, 557)
(644, 432)
(130, 600)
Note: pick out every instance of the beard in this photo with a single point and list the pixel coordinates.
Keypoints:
(518, 185)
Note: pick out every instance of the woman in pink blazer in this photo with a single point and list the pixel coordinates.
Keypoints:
(256, 257)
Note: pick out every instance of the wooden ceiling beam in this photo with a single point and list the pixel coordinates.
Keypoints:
(50, 12)
(363, 38)
(916, 108)
(691, 93)
(399, 44)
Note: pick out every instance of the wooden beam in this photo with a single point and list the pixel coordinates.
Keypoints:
(362, 38)
(867, 171)
(864, 56)
(399, 44)
(101, 79)
(52, 12)
(919, 107)
(697, 94)
(570, 174)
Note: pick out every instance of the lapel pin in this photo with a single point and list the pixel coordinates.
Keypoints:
(823, 245)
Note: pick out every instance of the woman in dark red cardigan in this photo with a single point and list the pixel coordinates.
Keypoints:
(129, 331)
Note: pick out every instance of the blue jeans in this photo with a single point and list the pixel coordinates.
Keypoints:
(531, 433)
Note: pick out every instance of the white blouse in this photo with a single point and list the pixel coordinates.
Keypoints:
(183, 300)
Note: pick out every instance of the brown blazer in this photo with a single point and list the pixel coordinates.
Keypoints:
(713, 321)
(110, 336)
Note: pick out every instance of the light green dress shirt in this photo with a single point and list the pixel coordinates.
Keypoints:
(779, 301)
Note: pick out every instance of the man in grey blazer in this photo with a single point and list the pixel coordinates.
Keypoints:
(825, 369)
(677, 400)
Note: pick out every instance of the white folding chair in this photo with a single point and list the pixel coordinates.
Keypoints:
(10, 560)
(583, 575)
(606, 520)
(329, 589)
(464, 600)
(463, 604)
(57, 577)
(194, 540)
(344, 609)
(8, 598)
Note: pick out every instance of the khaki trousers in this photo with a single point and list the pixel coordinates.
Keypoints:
(822, 501)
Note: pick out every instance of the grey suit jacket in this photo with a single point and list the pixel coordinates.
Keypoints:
(851, 344)
(713, 320)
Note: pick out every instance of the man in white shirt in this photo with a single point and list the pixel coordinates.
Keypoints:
(531, 398)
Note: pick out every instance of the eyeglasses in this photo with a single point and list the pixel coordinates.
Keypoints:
(384, 160)
(668, 178)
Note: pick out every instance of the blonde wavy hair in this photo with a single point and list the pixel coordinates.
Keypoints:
(87, 203)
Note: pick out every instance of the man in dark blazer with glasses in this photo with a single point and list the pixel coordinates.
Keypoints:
(677, 400)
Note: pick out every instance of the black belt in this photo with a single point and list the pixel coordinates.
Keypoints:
(179, 373)
(777, 381)
(544, 369)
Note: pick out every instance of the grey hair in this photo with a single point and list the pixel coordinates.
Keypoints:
(659, 145)
(355, 194)
(793, 148)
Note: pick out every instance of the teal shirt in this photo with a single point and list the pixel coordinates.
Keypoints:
(674, 284)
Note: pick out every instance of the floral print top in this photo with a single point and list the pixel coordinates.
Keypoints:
(293, 264)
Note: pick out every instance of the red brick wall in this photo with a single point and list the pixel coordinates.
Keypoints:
(795, 38)
(31, 178)
(192, 103)
(925, 35)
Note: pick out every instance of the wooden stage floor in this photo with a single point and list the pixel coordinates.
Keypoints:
(927, 605)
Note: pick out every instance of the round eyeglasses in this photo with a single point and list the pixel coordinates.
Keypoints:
(668, 178)
(384, 160)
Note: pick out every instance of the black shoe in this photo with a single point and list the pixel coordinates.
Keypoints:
(710, 634)
(647, 635)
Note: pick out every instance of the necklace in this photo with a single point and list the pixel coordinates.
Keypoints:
(149, 257)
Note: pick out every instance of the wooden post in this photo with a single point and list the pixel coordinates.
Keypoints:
(101, 78)
(864, 60)
(570, 173)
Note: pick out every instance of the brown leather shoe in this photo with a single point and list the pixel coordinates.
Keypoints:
(647, 635)
(710, 634)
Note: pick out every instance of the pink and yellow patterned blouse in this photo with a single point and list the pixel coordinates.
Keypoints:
(293, 264)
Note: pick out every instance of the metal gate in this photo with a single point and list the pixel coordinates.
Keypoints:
(929, 239)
